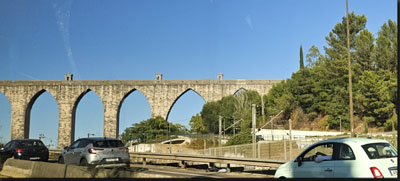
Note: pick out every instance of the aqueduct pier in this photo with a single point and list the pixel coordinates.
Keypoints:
(161, 95)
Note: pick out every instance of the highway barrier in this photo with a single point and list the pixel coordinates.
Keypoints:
(34, 169)
(183, 159)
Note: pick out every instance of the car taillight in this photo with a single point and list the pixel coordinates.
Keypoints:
(376, 172)
(18, 150)
(93, 150)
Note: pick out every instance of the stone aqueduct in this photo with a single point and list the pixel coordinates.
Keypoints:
(161, 95)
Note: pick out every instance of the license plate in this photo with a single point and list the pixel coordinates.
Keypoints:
(111, 159)
(393, 172)
(34, 158)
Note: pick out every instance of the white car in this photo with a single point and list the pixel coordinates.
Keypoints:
(343, 158)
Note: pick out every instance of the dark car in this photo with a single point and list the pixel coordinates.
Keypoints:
(26, 149)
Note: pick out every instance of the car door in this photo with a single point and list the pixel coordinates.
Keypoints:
(80, 150)
(69, 154)
(310, 168)
(344, 161)
(8, 150)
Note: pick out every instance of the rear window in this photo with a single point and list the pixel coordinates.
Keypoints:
(380, 150)
(31, 143)
(108, 143)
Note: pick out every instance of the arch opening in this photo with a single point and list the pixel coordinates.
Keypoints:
(41, 121)
(87, 116)
(5, 119)
(134, 107)
(186, 105)
(241, 90)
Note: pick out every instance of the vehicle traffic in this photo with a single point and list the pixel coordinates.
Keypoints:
(96, 152)
(26, 149)
(343, 158)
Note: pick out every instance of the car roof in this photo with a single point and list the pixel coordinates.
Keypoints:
(99, 138)
(26, 140)
(361, 141)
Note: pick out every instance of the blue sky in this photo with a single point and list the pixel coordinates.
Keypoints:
(182, 39)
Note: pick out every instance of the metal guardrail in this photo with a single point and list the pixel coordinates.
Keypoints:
(184, 158)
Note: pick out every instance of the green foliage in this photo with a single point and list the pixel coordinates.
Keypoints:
(321, 88)
(244, 137)
(151, 130)
(196, 125)
(301, 58)
(230, 107)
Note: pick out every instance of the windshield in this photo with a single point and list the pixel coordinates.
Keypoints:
(108, 144)
(31, 143)
(379, 150)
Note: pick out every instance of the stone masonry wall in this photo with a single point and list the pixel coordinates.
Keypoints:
(161, 95)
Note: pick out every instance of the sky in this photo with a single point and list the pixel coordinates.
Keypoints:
(135, 40)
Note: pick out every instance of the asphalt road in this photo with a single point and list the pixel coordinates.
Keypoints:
(176, 172)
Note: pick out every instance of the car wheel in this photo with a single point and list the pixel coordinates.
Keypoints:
(61, 160)
(83, 162)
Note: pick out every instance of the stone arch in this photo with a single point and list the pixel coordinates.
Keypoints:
(177, 98)
(29, 108)
(75, 106)
(239, 90)
(127, 94)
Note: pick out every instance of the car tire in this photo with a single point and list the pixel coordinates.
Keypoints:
(83, 162)
(61, 160)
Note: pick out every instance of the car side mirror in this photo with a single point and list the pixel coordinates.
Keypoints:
(299, 161)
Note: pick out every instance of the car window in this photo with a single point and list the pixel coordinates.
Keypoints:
(319, 153)
(108, 143)
(379, 150)
(8, 145)
(344, 152)
(83, 143)
(75, 144)
(31, 143)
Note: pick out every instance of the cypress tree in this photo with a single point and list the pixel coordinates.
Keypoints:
(301, 58)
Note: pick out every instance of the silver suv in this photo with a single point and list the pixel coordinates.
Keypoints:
(96, 152)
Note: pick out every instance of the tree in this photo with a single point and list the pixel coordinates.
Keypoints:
(244, 137)
(374, 99)
(196, 125)
(386, 47)
(313, 57)
(301, 58)
(364, 46)
(154, 129)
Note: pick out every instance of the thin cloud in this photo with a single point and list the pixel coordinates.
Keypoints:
(26, 75)
(249, 21)
(63, 14)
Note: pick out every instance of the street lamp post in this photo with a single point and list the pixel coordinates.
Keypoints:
(90, 134)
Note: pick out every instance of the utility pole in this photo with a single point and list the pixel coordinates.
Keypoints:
(253, 116)
(90, 134)
(234, 126)
(220, 134)
(349, 67)
(340, 122)
(272, 129)
(290, 139)
(41, 136)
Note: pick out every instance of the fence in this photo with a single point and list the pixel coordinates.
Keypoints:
(277, 150)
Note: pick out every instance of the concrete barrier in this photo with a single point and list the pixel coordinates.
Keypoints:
(33, 169)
